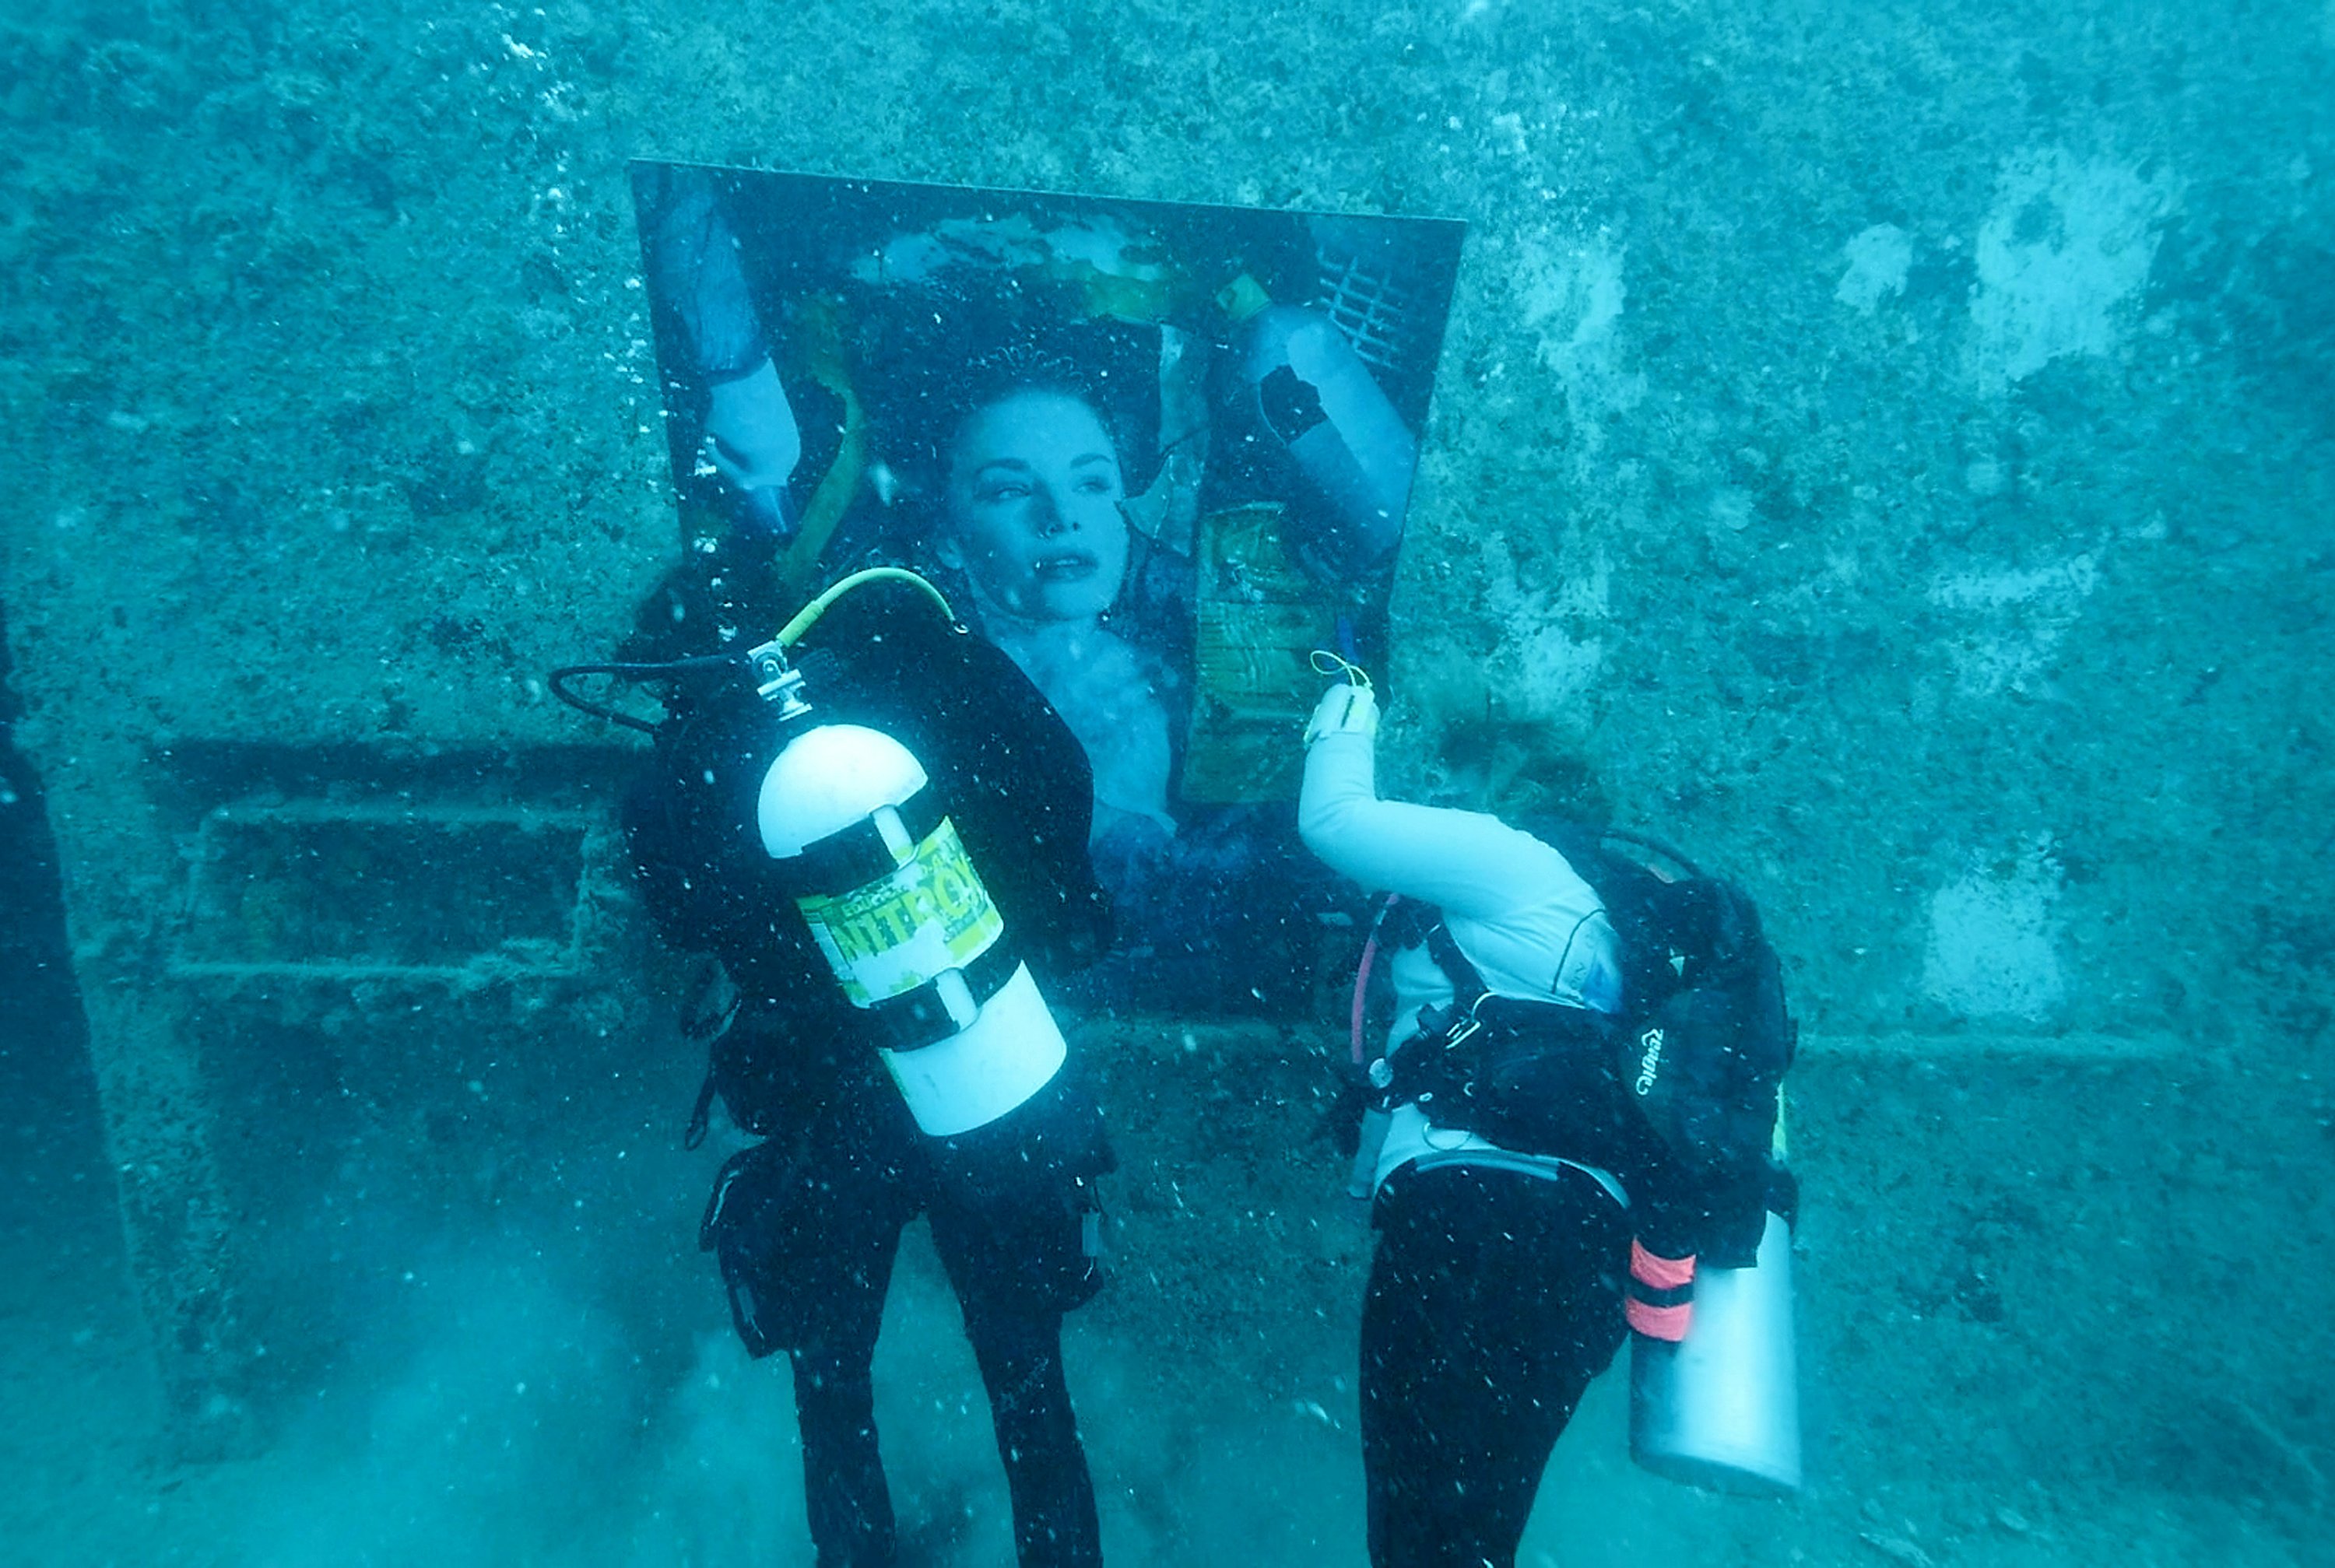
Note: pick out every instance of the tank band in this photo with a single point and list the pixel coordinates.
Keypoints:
(1659, 1323)
(990, 1067)
(920, 1018)
(856, 855)
(1662, 1273)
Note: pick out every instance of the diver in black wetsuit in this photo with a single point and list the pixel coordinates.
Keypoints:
(806, 1221)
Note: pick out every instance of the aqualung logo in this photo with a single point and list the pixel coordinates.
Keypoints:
(1649, 1062)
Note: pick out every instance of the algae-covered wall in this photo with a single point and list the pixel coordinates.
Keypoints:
(1886, 441)
(1890, 445)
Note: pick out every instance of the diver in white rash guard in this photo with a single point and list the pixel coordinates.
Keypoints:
(1497, 1291)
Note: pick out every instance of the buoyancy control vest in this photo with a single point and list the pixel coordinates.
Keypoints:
(1677, 1095)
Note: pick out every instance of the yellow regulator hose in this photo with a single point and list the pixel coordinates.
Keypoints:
(808, 617)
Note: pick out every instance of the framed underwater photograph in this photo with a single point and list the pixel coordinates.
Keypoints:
(1157, 452)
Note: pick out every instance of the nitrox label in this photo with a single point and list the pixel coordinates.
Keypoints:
(886, 937)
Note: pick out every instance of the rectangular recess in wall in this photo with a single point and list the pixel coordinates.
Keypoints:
(318, 888)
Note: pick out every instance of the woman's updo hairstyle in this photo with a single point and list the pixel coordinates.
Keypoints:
(941, 365)
(1518, 771)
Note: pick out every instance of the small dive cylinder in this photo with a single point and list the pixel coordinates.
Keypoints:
(1720, 1409)
(1313, 394)
(907, 926)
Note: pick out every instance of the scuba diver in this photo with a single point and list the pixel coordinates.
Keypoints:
(878, 828)
(1547, 1181)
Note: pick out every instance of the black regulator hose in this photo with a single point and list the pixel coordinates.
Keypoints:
(634, 674)
(788, 634)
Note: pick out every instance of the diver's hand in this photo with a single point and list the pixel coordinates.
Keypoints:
(750, 431)
(1344, 710)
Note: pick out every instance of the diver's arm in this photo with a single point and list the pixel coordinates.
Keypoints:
(693, 257)
(1464, 862)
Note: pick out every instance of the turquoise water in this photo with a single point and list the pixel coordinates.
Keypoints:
(1887, 448)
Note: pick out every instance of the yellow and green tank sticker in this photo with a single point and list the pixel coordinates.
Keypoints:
(886, 937)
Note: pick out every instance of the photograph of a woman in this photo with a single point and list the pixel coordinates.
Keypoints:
(1033, 518)
(1154, 453)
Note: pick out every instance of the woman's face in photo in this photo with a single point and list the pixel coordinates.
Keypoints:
(1034, 508)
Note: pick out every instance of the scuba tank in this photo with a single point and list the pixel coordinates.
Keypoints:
(1720, 1408)
(1303, 384)
(900, 911)
(1703, 1062)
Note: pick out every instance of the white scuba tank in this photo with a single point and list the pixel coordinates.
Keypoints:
(907, 926)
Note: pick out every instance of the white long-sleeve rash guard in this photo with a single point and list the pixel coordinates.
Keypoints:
(1514, 906)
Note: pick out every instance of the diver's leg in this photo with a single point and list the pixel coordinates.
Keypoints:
(1406, 1408)
(1021, 1357)
(1494, 1299)
(1011, 1280)
(849, 1507)
(861, 1196)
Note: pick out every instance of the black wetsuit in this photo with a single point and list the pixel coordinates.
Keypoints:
(1495, 1298)
(806, 1222)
